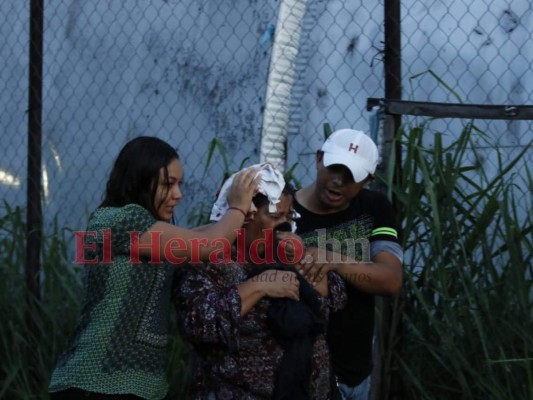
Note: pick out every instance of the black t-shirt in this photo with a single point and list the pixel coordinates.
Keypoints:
(351, 329)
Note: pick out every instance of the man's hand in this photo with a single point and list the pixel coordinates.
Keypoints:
(382, 276)
(314, 265)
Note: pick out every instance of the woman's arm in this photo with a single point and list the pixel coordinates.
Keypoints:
(271, 283)
(209, 311)
(164, 241)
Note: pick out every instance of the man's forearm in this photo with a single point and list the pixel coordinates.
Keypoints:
(382, 276)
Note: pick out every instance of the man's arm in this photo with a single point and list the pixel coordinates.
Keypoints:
(382, 276)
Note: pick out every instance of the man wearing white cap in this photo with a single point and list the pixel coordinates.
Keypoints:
(344, 227)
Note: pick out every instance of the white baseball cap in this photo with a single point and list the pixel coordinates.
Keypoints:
(353, 149)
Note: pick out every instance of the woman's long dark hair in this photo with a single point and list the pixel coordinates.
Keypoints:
(135, 174)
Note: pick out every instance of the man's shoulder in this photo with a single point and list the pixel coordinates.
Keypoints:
(369, 196)
(368, 199)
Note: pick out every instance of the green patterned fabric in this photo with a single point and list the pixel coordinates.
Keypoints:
(120, 343)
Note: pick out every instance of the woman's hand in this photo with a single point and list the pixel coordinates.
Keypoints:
(275, 283)
(242, 189)
(271, 283)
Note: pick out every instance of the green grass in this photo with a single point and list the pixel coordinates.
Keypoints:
(463, 327)
(33, 331)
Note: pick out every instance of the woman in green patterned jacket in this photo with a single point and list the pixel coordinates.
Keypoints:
(130, 250)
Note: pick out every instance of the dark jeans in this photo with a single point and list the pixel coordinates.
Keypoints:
(78, 394)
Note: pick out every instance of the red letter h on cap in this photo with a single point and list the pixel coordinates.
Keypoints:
(353, 148)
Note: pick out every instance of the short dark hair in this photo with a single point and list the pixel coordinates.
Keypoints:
(135, 174)
(260, 199)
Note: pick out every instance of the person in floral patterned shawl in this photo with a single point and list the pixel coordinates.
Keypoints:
(224, 315)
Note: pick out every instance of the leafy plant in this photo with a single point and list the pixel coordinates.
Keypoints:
(327, 130)
(33, 331)
(463, 327)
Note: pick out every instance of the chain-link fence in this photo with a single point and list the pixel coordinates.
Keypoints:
(191, 72)
(249, 80)
(474, 53)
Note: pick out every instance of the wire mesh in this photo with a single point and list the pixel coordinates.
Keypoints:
(193, 72)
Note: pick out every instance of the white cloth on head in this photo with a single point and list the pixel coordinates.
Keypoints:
(271, 185)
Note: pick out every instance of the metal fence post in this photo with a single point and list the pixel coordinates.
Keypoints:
(34, 211)
(393, 90)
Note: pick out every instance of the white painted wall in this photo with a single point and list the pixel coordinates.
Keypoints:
(192, 71)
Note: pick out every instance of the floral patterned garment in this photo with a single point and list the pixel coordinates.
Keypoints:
(237, 357)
